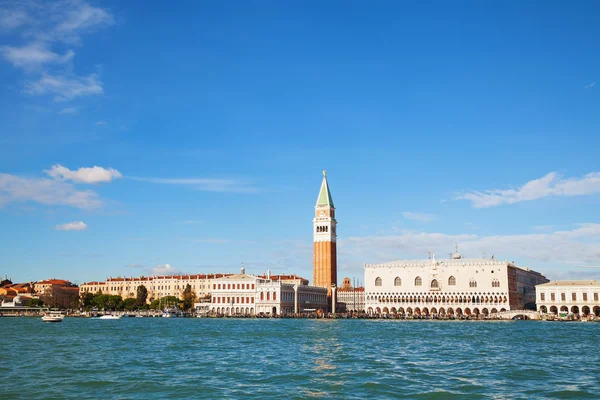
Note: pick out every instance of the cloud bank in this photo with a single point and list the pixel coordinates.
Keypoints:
(572, 248)
(57, 190)
(549, 185)
(47, 31)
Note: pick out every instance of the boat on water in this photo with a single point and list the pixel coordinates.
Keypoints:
(53, 317)
(171, 312)
(109, 316)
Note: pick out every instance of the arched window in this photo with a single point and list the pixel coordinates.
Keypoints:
(397, 281)
(434, 283)
(377, 281)
(274, 296)
(418, 281)
(268, 296)
(495, 283)
(452, 281)
(472, 283)
(262, 295)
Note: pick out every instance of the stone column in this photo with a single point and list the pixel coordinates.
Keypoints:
(296, 311)
(333, 299)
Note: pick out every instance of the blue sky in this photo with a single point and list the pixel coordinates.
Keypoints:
(209, 124)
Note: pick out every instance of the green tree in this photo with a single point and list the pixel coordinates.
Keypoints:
(167, 301)
(35, 303)
(142, 295)
(100, 301)
(188, 297)
(61, 297)
(86, 300)
(130, 304)
(114, 302)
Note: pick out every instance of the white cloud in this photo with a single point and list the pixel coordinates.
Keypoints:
(209, 185)
(47, 24)
(84, 175)
(12, 19)
(101, 123)
(45, 191)
(82, 17)
(55, 21)
(72, 226)
(65, 87)
(589, 86)
(164, 269)
(549, 185)
(34, 55)
(418, 216)
(546, 251)
(69, 110)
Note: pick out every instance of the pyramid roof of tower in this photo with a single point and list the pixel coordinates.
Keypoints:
(324, 194)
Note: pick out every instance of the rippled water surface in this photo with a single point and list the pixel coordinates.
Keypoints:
(141, 358)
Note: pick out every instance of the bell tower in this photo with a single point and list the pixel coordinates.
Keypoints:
(324, 238)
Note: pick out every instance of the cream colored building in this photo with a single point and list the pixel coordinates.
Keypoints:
(42, 287)
(455, 286)
(569, 297)
(158, 286)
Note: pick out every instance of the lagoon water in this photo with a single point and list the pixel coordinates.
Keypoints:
(159, 358)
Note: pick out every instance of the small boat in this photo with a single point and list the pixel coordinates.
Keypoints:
(171, 313)
(109, 316)
(53, 317)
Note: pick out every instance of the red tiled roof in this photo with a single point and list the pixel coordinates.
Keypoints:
(53, 282)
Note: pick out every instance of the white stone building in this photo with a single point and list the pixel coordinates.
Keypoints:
(244, 294)
(569, 297)
(453, 286)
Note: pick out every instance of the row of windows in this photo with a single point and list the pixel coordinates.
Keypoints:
(322, 229)
(262, 295)
(439, 299)
(228, 300)
(232, 286)
(563, 297)
(434, 283)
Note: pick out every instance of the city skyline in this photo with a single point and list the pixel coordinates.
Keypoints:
(140, 138)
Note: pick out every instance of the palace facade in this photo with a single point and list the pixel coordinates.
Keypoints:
(569, 297)
(454, 286)
(244, 294)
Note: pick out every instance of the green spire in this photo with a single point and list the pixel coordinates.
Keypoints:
(324, 194)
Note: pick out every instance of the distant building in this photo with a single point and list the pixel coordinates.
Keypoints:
(244, 294)
(158, 286)
(17, 301)
(453, 286)
(41, 287)
(350, 299)
(569, 297)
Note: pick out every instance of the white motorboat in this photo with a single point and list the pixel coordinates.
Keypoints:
(53, 317)
(109, 316)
